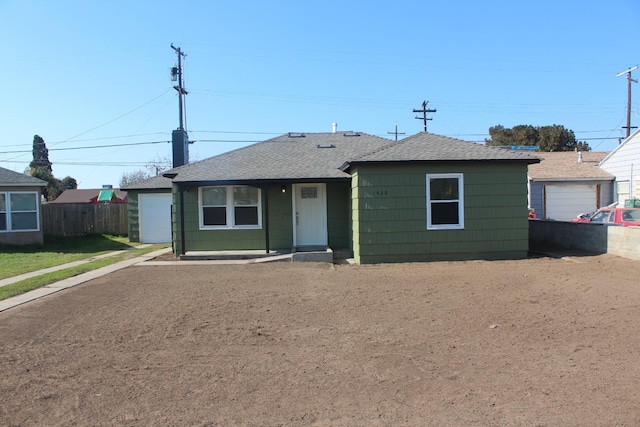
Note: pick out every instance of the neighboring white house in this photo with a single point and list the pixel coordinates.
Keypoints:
(567, 183)
(624, 164)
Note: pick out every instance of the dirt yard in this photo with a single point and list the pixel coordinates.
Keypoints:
(536, 342)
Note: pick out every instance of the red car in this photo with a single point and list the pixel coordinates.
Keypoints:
(612, 216)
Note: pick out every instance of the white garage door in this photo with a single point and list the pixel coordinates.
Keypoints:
(154, 213)
(565, 202)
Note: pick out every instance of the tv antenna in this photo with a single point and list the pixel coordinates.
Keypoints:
(629, 80)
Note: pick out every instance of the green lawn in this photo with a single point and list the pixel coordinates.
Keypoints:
(56, 251)
(16, 260)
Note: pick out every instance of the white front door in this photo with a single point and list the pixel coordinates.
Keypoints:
(310, 219)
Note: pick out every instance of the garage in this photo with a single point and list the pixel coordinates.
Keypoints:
(155, 217)
(563, 202)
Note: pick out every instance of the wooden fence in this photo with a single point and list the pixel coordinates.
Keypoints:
(75, 220)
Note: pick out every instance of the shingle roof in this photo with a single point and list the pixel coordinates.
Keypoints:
(564, 165)
(83, 196)
(328, 155)
(11, 178)
(424, 147)
(290, 156)
(157, 182)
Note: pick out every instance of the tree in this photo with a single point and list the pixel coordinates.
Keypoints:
(134, 177)
(51, 191)
(154, 168)
(68, 183)
(546, 138)
(40, 167)
(40, 154)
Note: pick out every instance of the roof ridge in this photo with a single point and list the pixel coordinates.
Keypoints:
(376, 151)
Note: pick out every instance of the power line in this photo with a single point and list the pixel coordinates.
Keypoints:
(237, 132)
(106, 164)
(91, 147)
(113, 120)
(227, 140)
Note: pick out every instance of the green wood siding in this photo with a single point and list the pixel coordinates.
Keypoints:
(338, 219)
(389, 213)
(133, 211)
(280, 221)
(133, 216)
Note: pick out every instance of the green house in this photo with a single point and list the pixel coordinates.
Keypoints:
(424, 198)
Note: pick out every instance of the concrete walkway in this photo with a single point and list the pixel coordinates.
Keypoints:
(72, 281)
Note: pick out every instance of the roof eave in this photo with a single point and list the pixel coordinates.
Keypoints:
(347, 165)
(565, 179)
(259, 182)
(615, 150)
(23, 184)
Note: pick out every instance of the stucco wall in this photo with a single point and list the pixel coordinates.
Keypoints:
(620, 241)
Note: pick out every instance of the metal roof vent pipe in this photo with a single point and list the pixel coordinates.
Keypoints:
(579, 156)
(334, 127)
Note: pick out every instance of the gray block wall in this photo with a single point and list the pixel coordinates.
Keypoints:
(620, 241)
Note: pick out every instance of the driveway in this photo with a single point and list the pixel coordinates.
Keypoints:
(542, 341)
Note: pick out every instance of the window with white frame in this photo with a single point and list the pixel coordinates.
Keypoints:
(230, 207)
(445, 201)
(3, 212)
(19, 211)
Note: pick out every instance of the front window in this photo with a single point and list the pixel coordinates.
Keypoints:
(3, 212)
(19, 211)
(230, 207)
(445, 202)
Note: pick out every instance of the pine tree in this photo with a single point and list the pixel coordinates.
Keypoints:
(40, 155)
(40, 167)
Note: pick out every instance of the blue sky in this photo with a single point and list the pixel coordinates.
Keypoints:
(96, 73)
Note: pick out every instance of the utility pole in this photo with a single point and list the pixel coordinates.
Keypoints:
(176, 75)
(396, 133)
(179, 137)
(424, 112)
(629, 80)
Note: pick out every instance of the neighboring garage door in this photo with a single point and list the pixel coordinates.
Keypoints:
(154, 213)
(565, 202)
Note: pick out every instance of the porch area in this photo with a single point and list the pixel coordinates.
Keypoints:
(300, 254)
